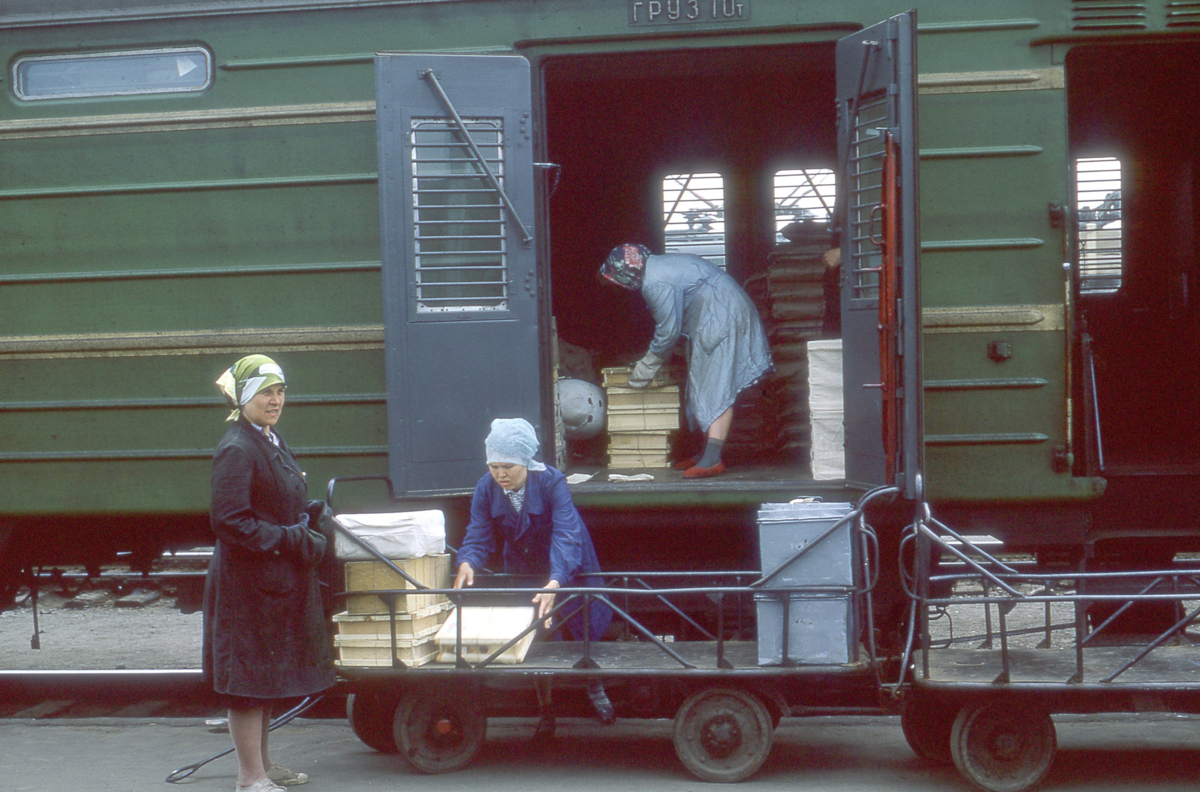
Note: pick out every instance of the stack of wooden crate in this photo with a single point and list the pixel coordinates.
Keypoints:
(640, 420)
(365, 628)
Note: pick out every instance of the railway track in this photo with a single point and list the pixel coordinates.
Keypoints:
(104, 694)
(136, 693)
(53, 651)
(113, 643)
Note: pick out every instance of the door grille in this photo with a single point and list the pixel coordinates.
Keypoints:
(1104, 15)
(460, 256)
(865, 196)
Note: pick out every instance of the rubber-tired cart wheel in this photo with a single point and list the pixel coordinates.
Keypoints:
(927, 725)
(723, 734)
(1003, 747)
(438, 729)
(370, 717)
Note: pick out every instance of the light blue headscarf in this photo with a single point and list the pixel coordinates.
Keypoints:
(512, 441)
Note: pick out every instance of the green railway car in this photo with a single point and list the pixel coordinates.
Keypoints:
(186, 182)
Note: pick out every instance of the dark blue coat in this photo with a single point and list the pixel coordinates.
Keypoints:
(547, 540)
(264, 624)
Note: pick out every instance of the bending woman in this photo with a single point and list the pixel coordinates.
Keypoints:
(727, 347)
(265, 638)
(526, 506)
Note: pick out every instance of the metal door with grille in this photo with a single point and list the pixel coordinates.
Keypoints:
(459, 260)
(881, 329)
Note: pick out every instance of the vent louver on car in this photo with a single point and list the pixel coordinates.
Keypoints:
(1107, 16)
(1184, 13)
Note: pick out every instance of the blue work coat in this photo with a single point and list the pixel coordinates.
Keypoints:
(547, 540)
(727, 346)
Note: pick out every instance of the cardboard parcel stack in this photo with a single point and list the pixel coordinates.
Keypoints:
(415, 542)
(640, 420)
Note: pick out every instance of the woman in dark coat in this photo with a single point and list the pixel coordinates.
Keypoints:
(265, 638)
(526, 507)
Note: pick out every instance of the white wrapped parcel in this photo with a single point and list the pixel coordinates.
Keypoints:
(395, 535)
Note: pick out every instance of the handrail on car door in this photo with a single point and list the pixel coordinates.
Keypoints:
(475, 152)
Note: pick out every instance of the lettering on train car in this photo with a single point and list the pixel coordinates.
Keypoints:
(665, 12)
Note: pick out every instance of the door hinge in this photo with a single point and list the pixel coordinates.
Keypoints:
(1058, 215)
(1064, 460)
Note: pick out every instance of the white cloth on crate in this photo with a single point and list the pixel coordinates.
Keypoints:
(727, 351)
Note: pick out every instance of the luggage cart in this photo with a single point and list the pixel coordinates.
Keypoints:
(984, 701)
(725, 688)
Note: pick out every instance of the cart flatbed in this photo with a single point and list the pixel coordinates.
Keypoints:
(1167, 667)
(617, 658)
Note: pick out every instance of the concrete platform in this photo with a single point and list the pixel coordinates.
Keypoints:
(833, 754)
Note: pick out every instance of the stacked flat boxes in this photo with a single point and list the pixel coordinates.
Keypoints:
(365, 628)
(640, 420)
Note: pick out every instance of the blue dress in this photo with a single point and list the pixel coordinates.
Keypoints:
(727, 347)
(547, 540)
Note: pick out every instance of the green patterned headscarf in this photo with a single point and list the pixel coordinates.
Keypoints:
(245, 379)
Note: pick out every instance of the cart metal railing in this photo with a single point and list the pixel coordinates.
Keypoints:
(994, 584)
(666, 589)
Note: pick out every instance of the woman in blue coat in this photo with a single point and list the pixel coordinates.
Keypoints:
(525, 507)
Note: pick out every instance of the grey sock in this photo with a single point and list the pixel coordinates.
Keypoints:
(712, 453)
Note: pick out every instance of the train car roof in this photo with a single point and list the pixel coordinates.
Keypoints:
(37, 13)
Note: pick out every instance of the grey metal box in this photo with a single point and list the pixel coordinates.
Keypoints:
(822, 630)
(783, 528)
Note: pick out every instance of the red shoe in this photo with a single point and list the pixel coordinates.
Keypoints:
(686, 464)
(708, 472)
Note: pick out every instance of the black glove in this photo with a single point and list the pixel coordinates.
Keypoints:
(302, 543)
(322, 522)
(330, 578)
(318, 510)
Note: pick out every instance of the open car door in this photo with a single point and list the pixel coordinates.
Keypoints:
(880, 252)
(460, 298)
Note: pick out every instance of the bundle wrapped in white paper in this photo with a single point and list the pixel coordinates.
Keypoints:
(395, 535)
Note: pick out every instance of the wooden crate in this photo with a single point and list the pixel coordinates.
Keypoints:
(643, 419)
(621, 398)
(619, 376)
(484, 630)
(635, 450)
(625, 442)
(361, 576)
(380, 624)
(375, 651)
(636, 460)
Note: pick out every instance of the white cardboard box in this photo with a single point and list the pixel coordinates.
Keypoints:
(827, 409)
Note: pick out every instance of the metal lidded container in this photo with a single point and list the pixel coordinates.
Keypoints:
(811, 599)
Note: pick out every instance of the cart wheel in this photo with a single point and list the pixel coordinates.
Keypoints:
(723, 734)
(1003, 748)
(927, 726)
(371, 717)
(438, 728)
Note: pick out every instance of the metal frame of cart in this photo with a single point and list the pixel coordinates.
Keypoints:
(987, 708)
(724, 702)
